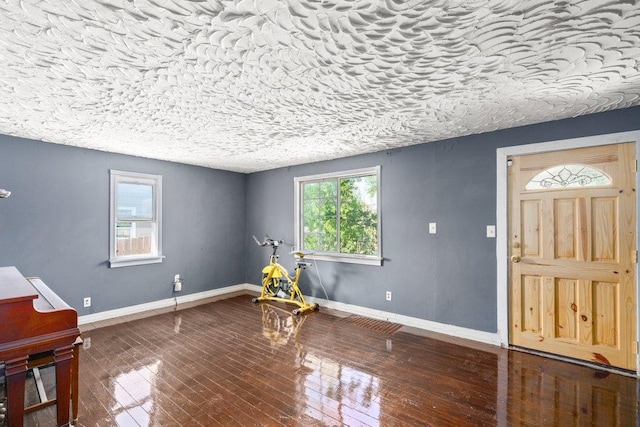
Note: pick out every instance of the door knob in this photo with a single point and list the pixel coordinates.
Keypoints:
(516, 258)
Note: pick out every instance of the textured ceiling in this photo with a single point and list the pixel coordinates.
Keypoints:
(254, 85)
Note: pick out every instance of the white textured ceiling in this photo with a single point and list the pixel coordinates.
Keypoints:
(249, 85)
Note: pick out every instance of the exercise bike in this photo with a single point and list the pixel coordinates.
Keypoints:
(277, 285)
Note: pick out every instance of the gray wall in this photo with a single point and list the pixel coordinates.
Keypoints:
(55, 225)
(449, 277)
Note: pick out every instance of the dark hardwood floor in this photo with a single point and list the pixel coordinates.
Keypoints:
(233, 363)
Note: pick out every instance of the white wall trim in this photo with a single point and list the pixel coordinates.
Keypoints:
(451, 330)
(154, 305)
(502, 250)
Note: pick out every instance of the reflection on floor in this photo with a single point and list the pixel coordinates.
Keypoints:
(235, 363)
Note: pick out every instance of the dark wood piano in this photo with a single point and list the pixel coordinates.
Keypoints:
(34, 321)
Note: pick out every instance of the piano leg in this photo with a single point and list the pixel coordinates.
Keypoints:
(63, 358)
(75, 370)
(16, 373)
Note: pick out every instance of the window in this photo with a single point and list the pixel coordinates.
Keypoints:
(338, 216)
(568, 176)
(135, 225)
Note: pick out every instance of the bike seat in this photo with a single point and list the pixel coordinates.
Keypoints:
(300, 254)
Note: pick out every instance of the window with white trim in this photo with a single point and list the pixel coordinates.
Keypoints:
(338, 216)
(135, 219)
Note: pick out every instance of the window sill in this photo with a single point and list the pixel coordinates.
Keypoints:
(131, 261)
(350, 259)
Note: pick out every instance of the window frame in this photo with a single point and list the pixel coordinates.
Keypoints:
(298, 219)
(116, 177)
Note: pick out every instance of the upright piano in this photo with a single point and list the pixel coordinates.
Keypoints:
(34, 321)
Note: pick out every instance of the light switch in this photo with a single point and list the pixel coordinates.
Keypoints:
(432, 228)
(491, 231)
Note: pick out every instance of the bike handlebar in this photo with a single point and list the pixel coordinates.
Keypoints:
(268, 241)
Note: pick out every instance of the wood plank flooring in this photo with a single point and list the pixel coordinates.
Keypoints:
(233, 363)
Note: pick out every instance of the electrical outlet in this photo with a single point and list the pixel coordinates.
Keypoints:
(177, 283)
(87, 302)
(388, 295)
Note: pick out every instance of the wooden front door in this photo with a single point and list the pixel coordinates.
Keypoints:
(573, 253)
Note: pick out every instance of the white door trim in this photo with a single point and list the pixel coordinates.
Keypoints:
(502, 250)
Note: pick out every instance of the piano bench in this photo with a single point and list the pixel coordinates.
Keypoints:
(43, 360)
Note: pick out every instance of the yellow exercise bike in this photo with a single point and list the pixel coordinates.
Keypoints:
(277, 285)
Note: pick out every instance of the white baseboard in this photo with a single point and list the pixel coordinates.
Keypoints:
(140, 308)
(451, 330)
(492, 338)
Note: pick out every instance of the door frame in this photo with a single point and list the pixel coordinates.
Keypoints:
(502, 248)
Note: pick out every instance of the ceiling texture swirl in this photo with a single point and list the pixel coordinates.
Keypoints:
(251, 85)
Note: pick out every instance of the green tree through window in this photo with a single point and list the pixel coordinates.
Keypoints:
(320, 216)
(359, 215)
(339, 213)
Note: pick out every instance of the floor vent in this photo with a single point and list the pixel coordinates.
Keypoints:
(373, 324)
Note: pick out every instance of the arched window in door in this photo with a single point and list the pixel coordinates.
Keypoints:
(568, 176)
